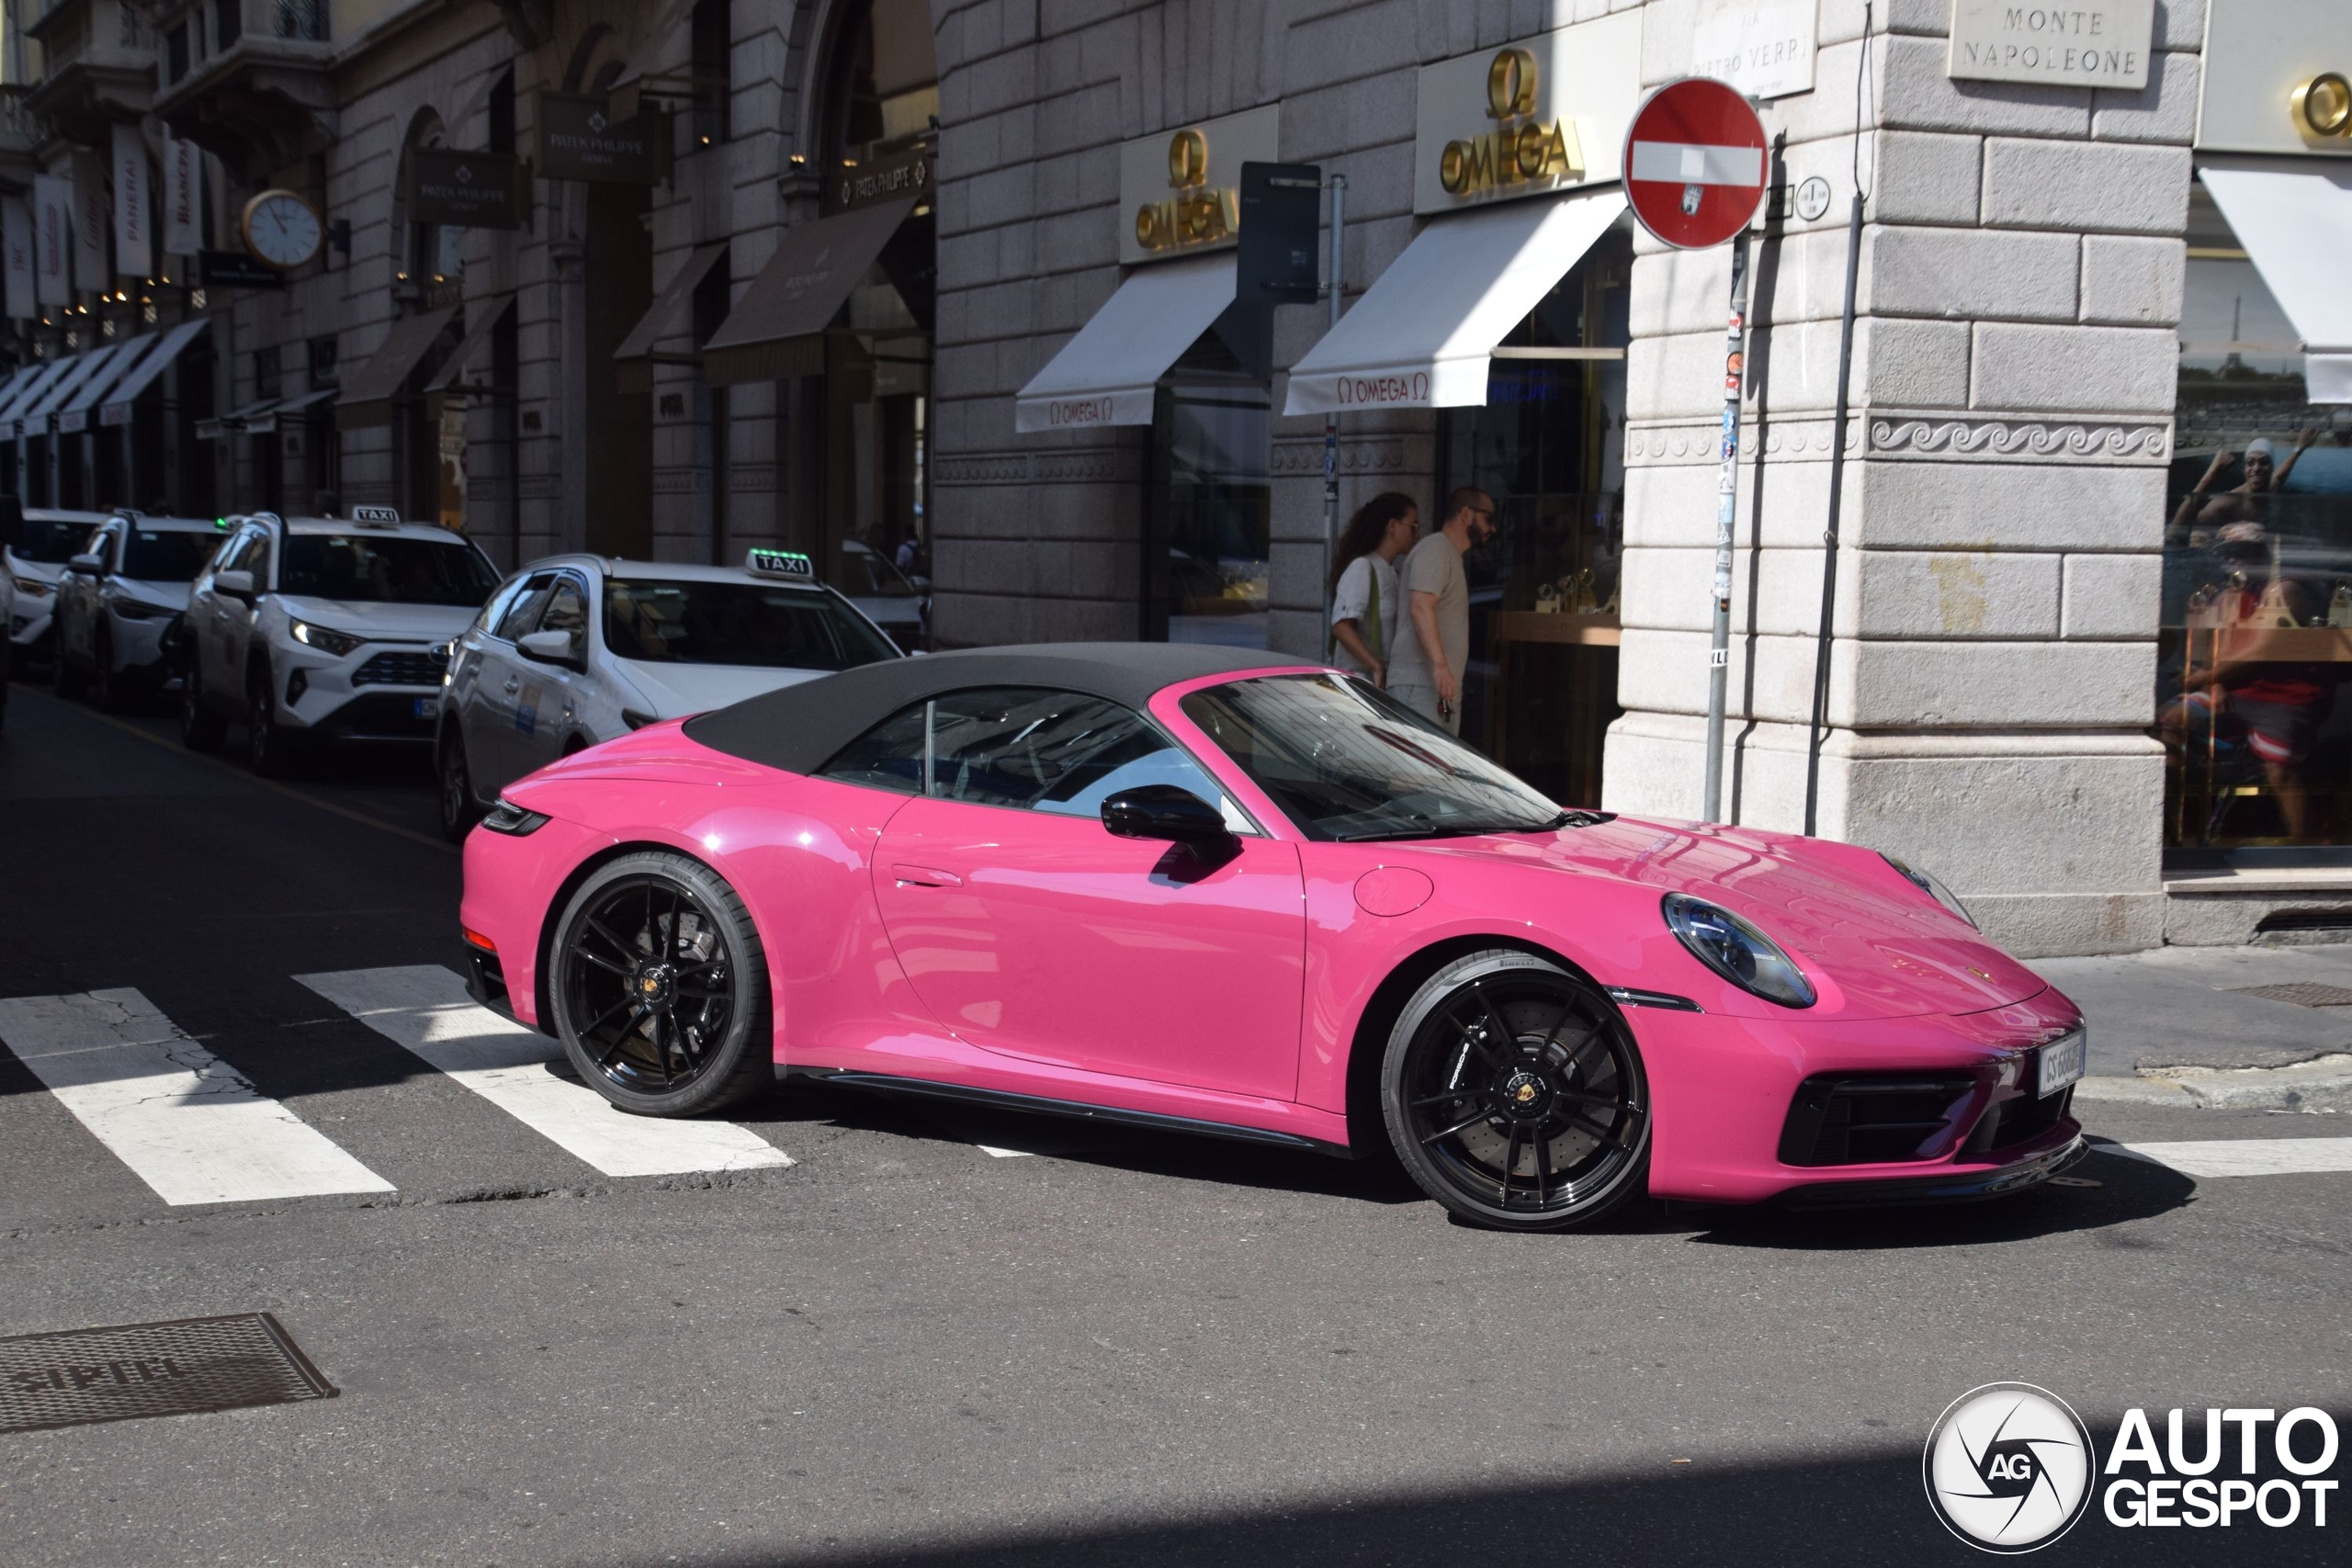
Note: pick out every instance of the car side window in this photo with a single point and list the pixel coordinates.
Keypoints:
(233, 558)
(1039, 750)
(567, 611)
(524, 613)
(494, 609)
(257, 559)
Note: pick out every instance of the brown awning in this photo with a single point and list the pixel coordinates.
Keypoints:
(633, 362)
(778, 328)
(470, 347)
(367, 397)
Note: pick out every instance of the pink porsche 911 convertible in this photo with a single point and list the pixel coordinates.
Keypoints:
(1200, 889)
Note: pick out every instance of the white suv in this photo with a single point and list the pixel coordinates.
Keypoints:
(120, 603)
(326, 628)
(575, 649)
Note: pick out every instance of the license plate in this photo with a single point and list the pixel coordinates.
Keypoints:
(2061, 1062)
(428, 707)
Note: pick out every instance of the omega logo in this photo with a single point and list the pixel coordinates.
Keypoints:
(1196, 214)
(2323, 107)
(1514, 153)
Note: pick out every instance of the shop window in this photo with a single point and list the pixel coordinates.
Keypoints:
(2254, 642)
(325, 364)
(267, 382)
(1548, 445)
(228, 22)
(1207, 551)
(500, 112)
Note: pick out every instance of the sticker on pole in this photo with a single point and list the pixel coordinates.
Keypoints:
(1694, 162)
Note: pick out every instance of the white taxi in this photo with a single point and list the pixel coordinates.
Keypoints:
(120, 601)
(36, 560)
(326, 628)
(575, 649)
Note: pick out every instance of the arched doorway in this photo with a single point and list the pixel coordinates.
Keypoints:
(881, 113)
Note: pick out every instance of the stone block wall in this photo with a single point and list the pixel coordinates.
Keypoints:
(1993, 666)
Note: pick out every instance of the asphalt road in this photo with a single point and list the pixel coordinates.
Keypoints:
(912, 1345)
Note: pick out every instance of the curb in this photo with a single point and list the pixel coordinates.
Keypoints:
(2322, 1085)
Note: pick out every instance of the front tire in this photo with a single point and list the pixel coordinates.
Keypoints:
(660, 987)
(65, 679)
(201, 729)
(109, 688)
(1515, 1096)
(268, 747)
(458, 812)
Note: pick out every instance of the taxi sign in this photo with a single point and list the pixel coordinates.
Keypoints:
(1694, 162)
(390, 514)
(781, 563)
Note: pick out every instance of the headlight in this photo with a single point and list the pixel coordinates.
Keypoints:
(1932, 886)
(134, 610)
(324, 641)
(1738, 951)
(34, 587)
(511, 820)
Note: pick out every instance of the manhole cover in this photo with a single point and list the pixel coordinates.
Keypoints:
(2302, 993)
(151, 1368)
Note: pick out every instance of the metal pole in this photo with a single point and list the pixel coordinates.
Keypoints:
(1829, 535)
(1339, 183)
(1727, 495)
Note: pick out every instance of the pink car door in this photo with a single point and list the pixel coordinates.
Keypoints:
(1030, 929)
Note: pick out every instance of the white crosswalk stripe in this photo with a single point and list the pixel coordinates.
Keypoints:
(425, 1008)
(2215, 1157)
(183, 1121)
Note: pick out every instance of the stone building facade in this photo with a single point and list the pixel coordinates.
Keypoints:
(2008, 465)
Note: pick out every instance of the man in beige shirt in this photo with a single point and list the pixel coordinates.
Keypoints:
(1425, 672)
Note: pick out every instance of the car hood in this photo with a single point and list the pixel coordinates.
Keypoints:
(1839, 909)
(33, 570)
(678, 690)
(392, 622)
(167, 596)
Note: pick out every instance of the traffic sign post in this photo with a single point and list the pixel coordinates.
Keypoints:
(1694, 175)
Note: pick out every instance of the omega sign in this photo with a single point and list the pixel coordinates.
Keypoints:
(1545, 114)
(1179, 191)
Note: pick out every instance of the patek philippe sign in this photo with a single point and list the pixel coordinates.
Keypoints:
(235, 269)
(1179, 191)
(1764, 48)
(579, 139)
(466, 190)
(885, 179)
(1546, 114)
(2087, 43)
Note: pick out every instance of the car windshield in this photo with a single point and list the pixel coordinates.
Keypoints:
(52, 540)
(773, 627)
(866, 573)
(167, 555)
(386, 568)
(1345, 760)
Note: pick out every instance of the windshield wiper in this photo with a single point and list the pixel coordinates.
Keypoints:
(1574, 817)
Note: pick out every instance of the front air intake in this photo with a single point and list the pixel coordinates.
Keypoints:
(1858, 1119)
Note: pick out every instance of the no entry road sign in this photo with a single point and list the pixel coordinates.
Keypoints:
(1694, 162)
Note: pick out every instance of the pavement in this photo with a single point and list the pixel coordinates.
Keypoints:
(836, 1331)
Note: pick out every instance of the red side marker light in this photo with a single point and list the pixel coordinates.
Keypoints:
(478, 940)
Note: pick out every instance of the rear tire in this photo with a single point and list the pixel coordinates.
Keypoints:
(1503, 1060)
(458, 812)
(201, 729)
(660, 987)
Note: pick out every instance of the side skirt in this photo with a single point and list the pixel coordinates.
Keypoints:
(1003, 1100)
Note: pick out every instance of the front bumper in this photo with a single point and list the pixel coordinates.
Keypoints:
(379, 692)
(1726, 1093)
(31, 627)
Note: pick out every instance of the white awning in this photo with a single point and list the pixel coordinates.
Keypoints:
(1107, 373)
(1422, 335)
(2295, 220)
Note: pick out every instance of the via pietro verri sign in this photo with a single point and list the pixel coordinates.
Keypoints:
(2079, 43)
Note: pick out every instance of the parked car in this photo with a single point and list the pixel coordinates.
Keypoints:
(1216, 891)
(885, 596)
(37, 560)
(121, 603)
(326, 628)
(576, 649)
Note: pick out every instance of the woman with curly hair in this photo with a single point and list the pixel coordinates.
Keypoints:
(1364, 583)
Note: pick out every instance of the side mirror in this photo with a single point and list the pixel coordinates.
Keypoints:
(87, 566)
(1164, 811)
(548, 647)
(236, 585)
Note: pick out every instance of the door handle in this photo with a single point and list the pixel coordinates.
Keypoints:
(515, 685)
(924, 876)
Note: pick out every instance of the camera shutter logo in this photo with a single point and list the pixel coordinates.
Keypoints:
(2008, 1467)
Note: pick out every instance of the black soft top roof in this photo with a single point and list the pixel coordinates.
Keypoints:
(799, 728)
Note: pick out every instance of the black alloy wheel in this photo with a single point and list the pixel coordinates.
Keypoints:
(266, 744)
(458, 812)
(201, 729)
(1515, 1096)
(661, 987)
